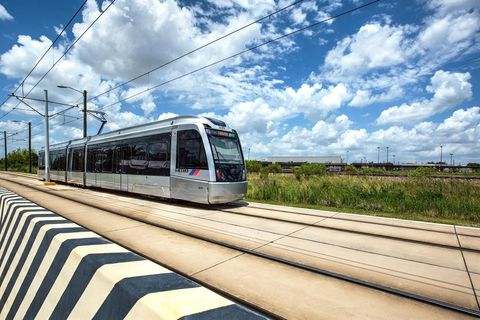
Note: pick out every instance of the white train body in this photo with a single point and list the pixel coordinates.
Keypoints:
(190, 158)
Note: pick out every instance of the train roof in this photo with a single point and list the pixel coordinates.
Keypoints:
(145, 127)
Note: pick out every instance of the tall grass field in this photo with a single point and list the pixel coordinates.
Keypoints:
(418, 198)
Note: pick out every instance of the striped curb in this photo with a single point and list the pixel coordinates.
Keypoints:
(51, 268)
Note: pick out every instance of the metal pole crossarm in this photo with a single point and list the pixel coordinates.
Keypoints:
(97, 112)
(21, 101)
(60, 112)
(42, 100)
(85, 110)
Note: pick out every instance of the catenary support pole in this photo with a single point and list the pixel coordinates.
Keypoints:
(29, 147)
(5, 144)
(85, 134)
(47, 142)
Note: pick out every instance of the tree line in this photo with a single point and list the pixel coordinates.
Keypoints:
(18, 160)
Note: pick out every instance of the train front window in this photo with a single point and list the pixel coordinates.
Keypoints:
(225, 147)
(190, 150)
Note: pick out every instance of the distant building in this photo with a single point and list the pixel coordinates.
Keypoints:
(300, 159)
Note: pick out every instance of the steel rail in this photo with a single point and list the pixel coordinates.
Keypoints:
(226, 294)
(290, 263)
(354, 220)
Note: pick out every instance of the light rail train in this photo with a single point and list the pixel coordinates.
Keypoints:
(191, 158)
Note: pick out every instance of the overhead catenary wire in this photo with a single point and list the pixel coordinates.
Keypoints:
(244, 51)
(71, 46)
(199, 48)
(62, 112)
(24, 130)
(51, 46)
(61, 57)
(43, 56)
(221, 60)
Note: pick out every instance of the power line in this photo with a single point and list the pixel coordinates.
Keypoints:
(44, 54)
(244, 51)
(63, 55)
(51, 46)
(199, 48)
(51, 117)
(71, 46)
(24, 130)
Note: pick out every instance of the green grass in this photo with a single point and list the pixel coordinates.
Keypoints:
(452, 201)
(21, 169)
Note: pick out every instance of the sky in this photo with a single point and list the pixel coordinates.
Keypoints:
(396, 74)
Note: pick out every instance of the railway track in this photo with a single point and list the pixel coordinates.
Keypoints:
(315, 225)
(251, 250)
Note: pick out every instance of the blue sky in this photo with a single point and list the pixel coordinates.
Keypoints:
(402, 74)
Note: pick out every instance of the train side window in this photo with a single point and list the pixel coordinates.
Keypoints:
(51, 160)
(159, 152)
(55, 160)
(89, 160)
(190, 150)
(107, 162)
(62, 161)
(126, 154)
(99, 158)
(77, 163)
(70, 160)
(139, 156)
(41, 160)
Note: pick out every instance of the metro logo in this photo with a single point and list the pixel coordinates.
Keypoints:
(194, 172)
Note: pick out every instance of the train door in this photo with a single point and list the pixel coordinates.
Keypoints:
(69, 164)
(189, 168)
(107, 175)
(122, 160)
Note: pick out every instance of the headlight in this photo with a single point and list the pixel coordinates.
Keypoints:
(219, 175)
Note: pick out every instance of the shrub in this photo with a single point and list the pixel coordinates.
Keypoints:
(297, 172)
(253, 165)
(275, 168)
(421, 172)
(18, 160)
(264, 173)
(372, 171)
(310, 169)
(351, 170)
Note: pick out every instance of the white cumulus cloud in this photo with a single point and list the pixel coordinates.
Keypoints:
(4, 15)
(449, 89)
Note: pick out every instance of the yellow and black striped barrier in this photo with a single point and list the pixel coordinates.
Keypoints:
(51, 268)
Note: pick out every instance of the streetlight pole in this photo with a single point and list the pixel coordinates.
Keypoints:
(378, 154)
(451, 159)
(387, 154)
(347, 156)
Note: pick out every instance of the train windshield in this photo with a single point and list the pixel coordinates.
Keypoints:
(225, 147)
